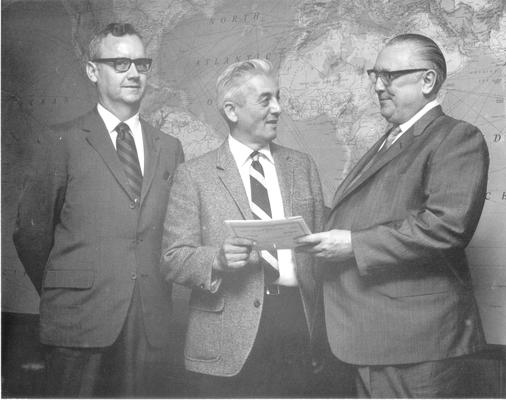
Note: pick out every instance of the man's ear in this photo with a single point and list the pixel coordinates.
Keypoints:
(229, 109)
(91, 71)
(429, 81)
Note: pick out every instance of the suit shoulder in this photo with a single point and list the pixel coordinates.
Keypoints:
(203, 161)
(449, 132)
(75, 123)
(166, 138)
(451, 126)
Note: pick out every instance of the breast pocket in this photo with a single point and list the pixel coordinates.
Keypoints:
(302, 206)
(69, 278)
(416, 287)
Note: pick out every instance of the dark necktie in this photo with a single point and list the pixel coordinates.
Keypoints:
(127, 153)
(261, 209)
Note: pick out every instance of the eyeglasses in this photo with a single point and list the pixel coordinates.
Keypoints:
(388, 76)
(122, 64)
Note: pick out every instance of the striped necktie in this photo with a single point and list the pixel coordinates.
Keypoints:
(261, 209)
(127, 153)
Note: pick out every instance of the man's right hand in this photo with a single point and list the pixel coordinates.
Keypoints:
(235, 253)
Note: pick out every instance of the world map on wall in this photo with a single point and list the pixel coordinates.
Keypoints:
(321, 50)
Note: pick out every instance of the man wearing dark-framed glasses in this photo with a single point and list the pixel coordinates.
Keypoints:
(388, 76)
(89, 232)
(398, 298)
(123, 64)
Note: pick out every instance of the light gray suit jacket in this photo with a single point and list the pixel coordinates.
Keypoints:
(407, 296)
(206, 191)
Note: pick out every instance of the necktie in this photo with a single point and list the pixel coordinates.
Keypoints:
(127, 153)
(261, 209)
(392, 135)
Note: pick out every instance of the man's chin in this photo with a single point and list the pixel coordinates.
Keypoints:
(133, 99)
(386, 112)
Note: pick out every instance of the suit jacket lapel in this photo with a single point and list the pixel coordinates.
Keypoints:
(356, 170)
(285, 171)
(97, 136)
(228, 173)
(398, 147)
(151, 156)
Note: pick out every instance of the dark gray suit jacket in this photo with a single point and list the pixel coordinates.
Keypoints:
(84, 241)
(407, 296)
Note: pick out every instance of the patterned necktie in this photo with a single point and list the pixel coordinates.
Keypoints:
(127, 153)
(261, 209)
(392, 135)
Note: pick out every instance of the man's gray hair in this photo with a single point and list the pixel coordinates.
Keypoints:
(428, 51)
(236, 74)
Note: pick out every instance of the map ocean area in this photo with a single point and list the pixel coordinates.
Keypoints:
(321, 51)
(270, 234)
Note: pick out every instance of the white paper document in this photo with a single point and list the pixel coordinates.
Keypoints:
(270, 234)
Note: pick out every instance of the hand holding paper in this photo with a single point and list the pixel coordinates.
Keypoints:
(334, 245)
(235, 253)
(270, 234)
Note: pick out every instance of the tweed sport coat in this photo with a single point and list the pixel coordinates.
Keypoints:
(407, 295)
(223, 321)
(83, 240)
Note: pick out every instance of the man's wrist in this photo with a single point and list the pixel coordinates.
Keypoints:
(349, 244)
(217, 266)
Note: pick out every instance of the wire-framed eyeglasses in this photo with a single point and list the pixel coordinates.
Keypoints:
(122, 64)
(388, 76)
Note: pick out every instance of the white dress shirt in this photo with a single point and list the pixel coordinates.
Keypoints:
(410, 122)
(111, 122)
(242, 153)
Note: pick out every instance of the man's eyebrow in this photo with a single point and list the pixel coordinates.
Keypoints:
(266, 94)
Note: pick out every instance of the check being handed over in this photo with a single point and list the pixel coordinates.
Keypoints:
(270, 234)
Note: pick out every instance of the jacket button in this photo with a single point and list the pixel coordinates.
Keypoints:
(256, 303)
(134, 203)
(133, 276)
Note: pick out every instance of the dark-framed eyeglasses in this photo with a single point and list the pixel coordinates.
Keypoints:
(122, 64)
(388, 76)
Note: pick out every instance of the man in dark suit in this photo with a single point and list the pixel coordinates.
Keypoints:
(398, 297)
(89, 231)
(252, 314)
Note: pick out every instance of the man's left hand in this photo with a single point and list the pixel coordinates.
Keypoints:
(334, 245)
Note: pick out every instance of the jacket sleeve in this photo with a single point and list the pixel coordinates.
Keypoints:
(39, 206)
(185, 260)
(454, 189)
(318, 336)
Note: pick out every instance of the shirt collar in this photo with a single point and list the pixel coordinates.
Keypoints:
(410, 122)
(242, 153)
(111, 121)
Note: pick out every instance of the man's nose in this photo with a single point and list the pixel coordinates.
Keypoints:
(275, 106)
(132, 71)
(379, 85)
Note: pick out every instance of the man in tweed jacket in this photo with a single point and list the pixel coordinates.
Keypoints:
(246, 335)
